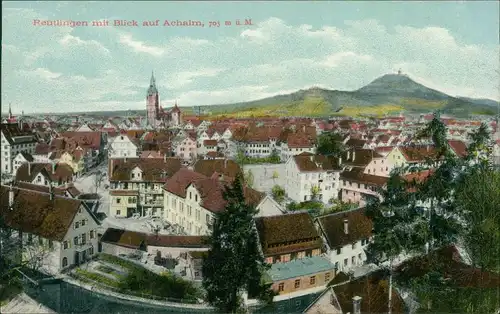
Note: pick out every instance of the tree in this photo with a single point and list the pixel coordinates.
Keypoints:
(315, 191)
(234, 262)
(274, 157)
(241, 158)
(97, 179)
(249, 178)
(275, 175)
(278, 193)
(480, 149)
(479, 197)
(330, 143)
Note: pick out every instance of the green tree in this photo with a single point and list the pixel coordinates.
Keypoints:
(275, 175)
(274, 157)
(241, 157)
(234, 262)
(479, 196)
(249, 178)
(330, 143)
(315, 191)
(278, 193)
(480, 148)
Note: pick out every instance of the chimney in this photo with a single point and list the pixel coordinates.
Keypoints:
(356, 305)
(29, 168)
(346, 226)
(53, 168)
(353, 154)
(11, 197)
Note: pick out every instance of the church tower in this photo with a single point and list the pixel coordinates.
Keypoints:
(152, 102)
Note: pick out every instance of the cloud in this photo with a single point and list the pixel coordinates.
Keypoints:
(106, 68)
(41, 73)
(71, 41)
(141, 47)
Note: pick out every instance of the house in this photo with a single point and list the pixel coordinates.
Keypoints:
(55, 174)
(21, 158)
(13, 141)
(308, 174)
(181, 254)
(300, 275)
(54, 231)
(207, 147)
(459, 148)
(295, 144)
(66, 190)
(136, 185)
(226, 168)
(357, 186)
(326, 302)
(185, 147)
(79, 160)
(366, 294)
(280, 244)
(122, 146)
(192, 200)
(346, 234)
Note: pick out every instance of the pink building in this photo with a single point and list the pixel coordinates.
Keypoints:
(186, 148)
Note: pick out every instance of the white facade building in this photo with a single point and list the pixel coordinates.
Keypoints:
(59, 234)
(14, 141)
(306, 173)
(122, 146)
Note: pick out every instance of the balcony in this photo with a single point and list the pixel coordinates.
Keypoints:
(152, 203)
(151, 191)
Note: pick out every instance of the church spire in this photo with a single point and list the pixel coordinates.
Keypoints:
(10, 112)
(152, 82)
(152, 85)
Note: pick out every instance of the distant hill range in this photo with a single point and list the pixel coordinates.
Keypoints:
(388, 94)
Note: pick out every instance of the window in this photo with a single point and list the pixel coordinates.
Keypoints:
(91, 250)
(312, 280)
(354, 246)
(75, 240)
(346, 262)
(327, 277)
(65, 262)
(84, 239)
(354, 260)
(359, 257)
(51, 244)
(297, 283)
(92, 234)
(83, 222)
(339, 251)
(77, 224)
(196, 198)
(118, 212)
(336, 265)
(39, 179)
(65, 245)
(190, 195)
(281, 287)
(362, 242)
(118, 200)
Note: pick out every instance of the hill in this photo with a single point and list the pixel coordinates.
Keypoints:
(387, 94)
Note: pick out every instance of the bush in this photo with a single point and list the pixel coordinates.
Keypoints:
(97, 277)
(119, 261)
(165, 285)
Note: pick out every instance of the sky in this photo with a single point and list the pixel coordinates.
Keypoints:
(450, 46)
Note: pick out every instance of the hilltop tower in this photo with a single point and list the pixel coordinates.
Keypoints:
(152, 102)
